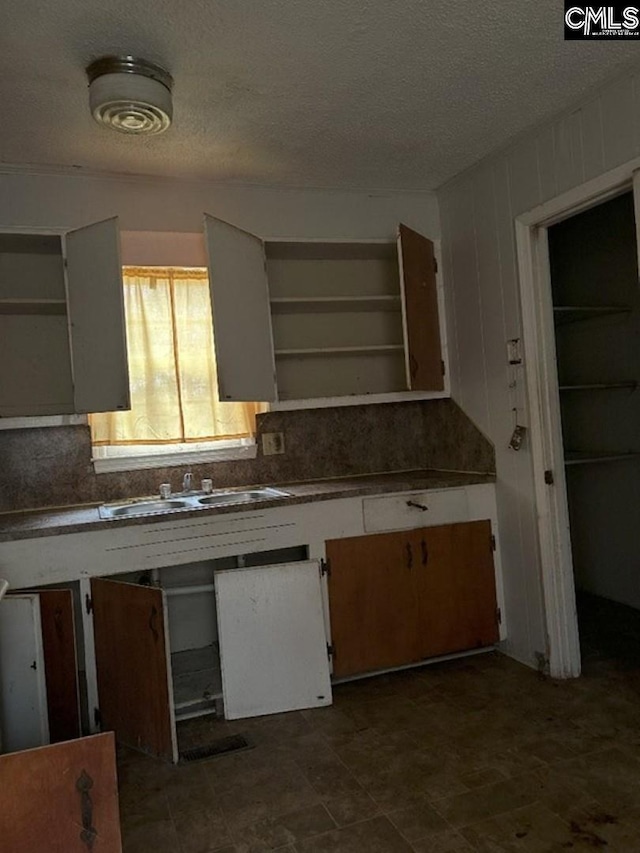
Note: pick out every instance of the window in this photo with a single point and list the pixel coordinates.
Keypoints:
(175, 407)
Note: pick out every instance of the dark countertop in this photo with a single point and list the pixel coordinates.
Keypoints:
(81, 519)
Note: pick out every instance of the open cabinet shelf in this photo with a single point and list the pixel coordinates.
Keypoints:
(33, 306)
(576, 313)
(591, 457)
(382, 348)
(331, 304)
(631, 385)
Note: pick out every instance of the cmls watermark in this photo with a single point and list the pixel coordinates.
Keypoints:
(617, 20)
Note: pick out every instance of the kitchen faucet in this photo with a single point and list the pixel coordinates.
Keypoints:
(187, 482)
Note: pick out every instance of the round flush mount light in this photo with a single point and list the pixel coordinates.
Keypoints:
(130, 95)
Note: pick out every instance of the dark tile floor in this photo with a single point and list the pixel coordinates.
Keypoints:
(480, 754)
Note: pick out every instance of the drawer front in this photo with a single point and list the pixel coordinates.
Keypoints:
(415, 509)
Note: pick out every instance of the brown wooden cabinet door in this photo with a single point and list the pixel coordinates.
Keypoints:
(421, 321)
(455, 586)
(134, 689)
(60, 662)
(373, 603)
(61, 798)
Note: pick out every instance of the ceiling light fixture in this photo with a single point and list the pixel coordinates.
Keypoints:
(130, 95)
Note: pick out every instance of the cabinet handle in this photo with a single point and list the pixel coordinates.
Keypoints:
(422, 507)
(413, 365)
(409, 556)
(84, 784)
(425, 552)
(153, 624)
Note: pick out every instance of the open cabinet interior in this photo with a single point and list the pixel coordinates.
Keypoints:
(207, 638)
(596, 299)
(62, 323)
(324, 319)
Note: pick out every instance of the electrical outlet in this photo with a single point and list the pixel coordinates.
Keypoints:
(272, 443)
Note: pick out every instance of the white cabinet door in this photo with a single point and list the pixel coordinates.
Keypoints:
(96, 318)
(24, 721)
(273, 646)
(241, 315)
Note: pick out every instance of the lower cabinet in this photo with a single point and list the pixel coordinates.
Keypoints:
(61, 798)
(250, 639)
(39, 695)
(399, 598)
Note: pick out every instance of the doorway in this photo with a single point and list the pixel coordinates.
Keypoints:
(550, 475)
(593, 270)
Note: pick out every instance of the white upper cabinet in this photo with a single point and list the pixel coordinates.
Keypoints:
(96, 318)
(240, 301)
(62, 334)
(301, 321)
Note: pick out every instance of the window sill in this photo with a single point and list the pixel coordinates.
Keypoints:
(180, 458)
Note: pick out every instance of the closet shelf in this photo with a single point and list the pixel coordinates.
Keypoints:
(333, 304)
(601, 386)
(576, 313)
(33, 306)
(320, 351)
(588, 457)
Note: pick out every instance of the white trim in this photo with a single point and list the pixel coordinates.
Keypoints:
(43, 421)
(547, 451)
(545, 425)
(357, 400)
(176, 457)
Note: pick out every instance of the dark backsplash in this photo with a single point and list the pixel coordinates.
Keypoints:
(52, 466)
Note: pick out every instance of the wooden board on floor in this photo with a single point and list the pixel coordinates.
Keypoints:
(60, 663)
(372, 603)
(61, 798)
(135, 695)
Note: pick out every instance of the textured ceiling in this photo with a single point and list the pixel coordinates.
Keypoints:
(369, 94)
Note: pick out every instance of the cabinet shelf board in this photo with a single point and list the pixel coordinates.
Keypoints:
(320, 351)
(331, 304)
(577, 313)
(33, 306)
(601, 386)
(589, 457)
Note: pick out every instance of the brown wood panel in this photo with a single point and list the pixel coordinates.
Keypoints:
(373, 603)
(43, 808)
(424, 351)
(455, 585)
(131, 662)
(60, 663)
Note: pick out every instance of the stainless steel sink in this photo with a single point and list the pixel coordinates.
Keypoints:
(154, 506)
(150, 507)
(242, 497)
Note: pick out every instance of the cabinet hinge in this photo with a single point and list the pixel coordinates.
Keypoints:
(331, 650)
(435, 265)
(548, 477)
(88, 604)
(325, 567)
(493, 542)
(97, 717)
(442, 367)
(499, 615)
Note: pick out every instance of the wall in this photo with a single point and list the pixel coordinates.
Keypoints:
(477, 211)
(51, 466)
(45, 467)
(155, 204)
